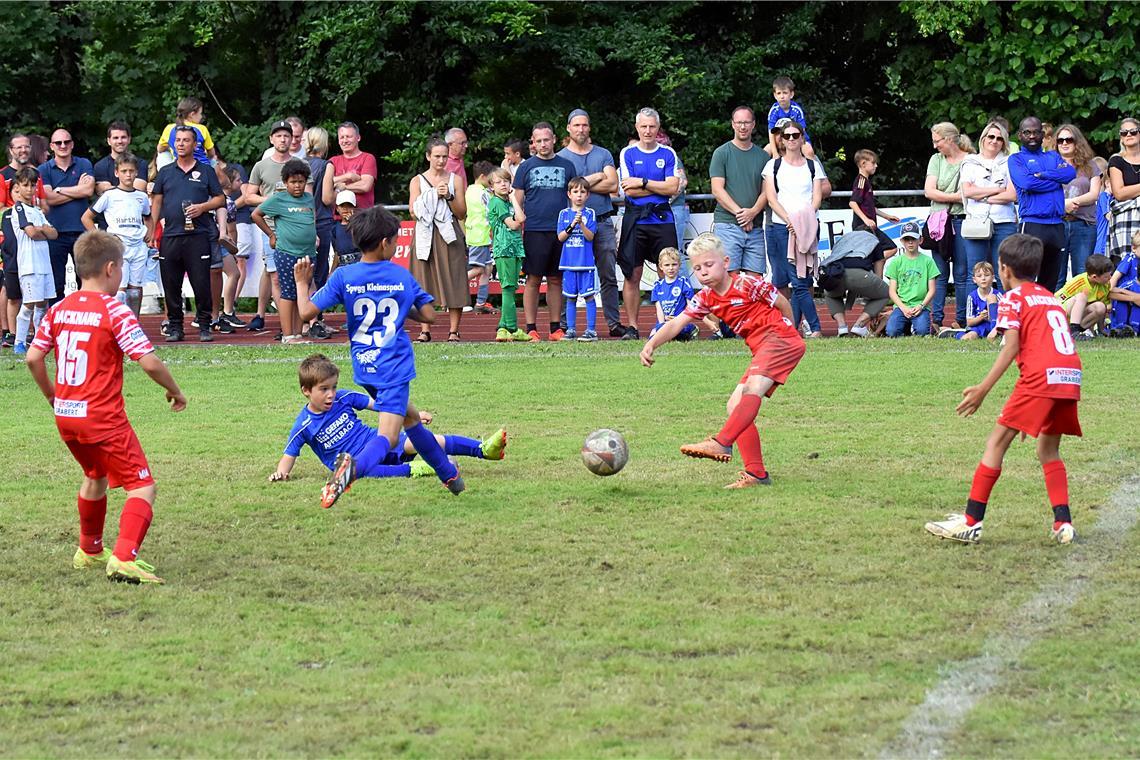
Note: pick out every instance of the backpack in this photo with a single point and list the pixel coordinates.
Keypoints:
(779, 163)
(830, 275)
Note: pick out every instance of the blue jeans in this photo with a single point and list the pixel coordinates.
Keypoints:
(745, 250)
(784, 275)
(897, 323)
(985, 250)
(961, 278)
(1080, 237)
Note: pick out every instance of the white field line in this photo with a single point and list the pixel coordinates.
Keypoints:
(964, 684)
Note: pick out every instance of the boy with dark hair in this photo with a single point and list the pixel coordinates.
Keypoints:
(127, 214)
(512, 155)
(1085, 297)
(378, 297)
(785, 107)
(31, 230)
(1043, 404)
(763, 318)
(90, 332)
(293, 237)
(864, 211)
(328, 425)
(345, 250)
(577, 226)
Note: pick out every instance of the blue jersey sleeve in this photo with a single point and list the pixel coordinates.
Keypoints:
(422, 296)
(591, 220)
(658, 291)
(355, 399)
(298, 435)
(332, 293)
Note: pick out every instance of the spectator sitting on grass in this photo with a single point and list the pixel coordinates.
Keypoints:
(912, 278)
(981, 307)
(1125, 294)
(1085, 297)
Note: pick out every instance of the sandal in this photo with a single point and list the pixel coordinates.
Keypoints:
(424, 337)
(453, 337)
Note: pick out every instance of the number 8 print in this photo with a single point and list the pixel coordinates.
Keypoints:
(1062, 339)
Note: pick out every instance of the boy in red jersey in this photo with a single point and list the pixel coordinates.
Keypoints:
(1044, 400)
(90, 331)
(756, 312)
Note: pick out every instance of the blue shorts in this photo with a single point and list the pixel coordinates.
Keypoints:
(981, 330)
(392, 400)
(579, 282)
(285, 281)
(479, 256)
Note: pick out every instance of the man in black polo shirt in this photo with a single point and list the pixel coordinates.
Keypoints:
(185, 194)
(119, 140)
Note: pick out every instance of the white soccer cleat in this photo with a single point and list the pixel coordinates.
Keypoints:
(1065, 534)
(954, 528)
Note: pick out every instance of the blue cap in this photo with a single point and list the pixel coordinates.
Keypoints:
(576, 112)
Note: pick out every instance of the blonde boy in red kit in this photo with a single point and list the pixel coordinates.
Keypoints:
(90, 332)
(756, 312)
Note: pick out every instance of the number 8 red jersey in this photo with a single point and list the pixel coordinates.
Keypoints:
(90, 332)
(1047, 358)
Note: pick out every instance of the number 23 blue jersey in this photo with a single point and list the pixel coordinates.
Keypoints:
(377, 297)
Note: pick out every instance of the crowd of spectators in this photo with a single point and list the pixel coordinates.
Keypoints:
(201, 220)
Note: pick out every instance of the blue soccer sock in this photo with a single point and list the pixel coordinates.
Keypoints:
(481, 294)
(427, 447)
(385, 471)
(571, 312)
(372, 456)
(591, 314)
(461, 446)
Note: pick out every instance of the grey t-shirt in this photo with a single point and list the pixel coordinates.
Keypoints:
(593, 162)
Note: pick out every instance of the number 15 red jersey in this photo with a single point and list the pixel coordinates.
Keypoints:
(90, 332)
(1047, 358)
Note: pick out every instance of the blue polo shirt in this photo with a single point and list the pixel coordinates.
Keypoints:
(105, 170)
(657, 165)
(66, 217)
(593, 162)
(197, 185)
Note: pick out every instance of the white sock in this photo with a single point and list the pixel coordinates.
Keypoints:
(37, 315)
(23, 321)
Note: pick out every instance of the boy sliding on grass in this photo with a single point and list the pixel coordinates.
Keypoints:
(90, 331)
(378, 296)
(328, 425)
(763, 318)
(1044, 400)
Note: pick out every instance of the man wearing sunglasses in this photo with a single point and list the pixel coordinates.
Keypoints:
(1039, 176)
(69, 183)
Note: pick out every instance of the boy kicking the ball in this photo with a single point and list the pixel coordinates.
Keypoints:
(329, 426)
(1043, 404)
(763, 318)
(378, 296)
(90, 331)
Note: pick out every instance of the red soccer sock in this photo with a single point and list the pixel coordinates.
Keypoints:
(1057, 486)
(92, 515)
(749, 445)
(133, 525)
(740, 420)
(984, 480)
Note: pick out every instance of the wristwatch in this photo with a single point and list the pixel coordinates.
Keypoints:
(644, 182)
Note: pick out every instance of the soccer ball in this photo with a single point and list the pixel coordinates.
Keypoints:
(605, 452)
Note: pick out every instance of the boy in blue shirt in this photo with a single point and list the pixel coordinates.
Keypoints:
(1124, 290)
(981, 307)
(577, 226)
(783, 90)
(328, 425)
(671, 293)
(378, 296)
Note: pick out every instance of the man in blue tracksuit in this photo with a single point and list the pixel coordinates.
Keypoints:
(1039, 177)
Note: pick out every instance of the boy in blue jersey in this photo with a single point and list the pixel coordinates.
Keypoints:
(671, 293)
(329, 425)
(981, 307)
(577, 226)
(378, 296)
(784, 90)
(1124, 290)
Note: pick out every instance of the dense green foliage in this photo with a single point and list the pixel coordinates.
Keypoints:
(869, 74)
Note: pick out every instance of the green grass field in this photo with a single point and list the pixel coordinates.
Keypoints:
(548, 612)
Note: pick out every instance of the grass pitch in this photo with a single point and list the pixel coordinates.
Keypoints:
(548, 612)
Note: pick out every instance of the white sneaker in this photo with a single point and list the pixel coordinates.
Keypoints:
(860, 330)
(841, 331)
(954, 527)
(1065, 534)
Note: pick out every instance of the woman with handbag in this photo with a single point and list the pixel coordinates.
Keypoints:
(989, 198)
(1081, 196)
(1124, 183)
(943, 188)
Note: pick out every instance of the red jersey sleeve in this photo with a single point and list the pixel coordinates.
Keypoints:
(1009, 312)
(757, 289)
(127, 331)
(697, 308)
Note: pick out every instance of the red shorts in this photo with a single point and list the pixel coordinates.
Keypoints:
(774, 357)
(1036, 415)
(119, 458)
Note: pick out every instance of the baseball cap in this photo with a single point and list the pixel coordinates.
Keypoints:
(780, 124)
(346, 196)
(576, 112)
(280, 125)
(911, 230)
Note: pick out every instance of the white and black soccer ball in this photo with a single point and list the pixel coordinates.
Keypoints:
(605, 452)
